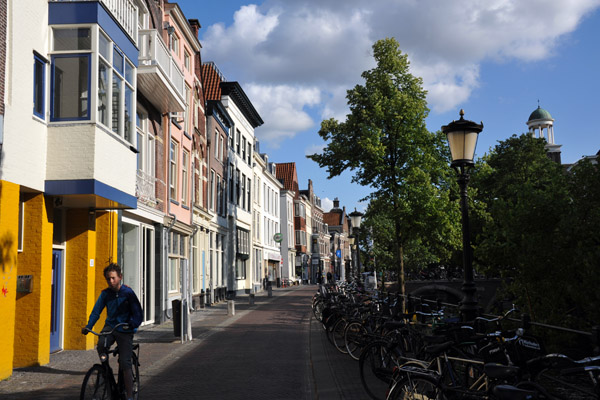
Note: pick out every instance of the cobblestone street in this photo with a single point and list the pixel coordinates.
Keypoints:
(272, 349)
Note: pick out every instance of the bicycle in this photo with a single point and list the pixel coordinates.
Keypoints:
(99, 382)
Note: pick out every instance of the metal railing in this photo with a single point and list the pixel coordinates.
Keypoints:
(145, 188)
(124, 11)
(154, 51)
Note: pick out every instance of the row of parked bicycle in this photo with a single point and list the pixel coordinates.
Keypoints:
(427, 355)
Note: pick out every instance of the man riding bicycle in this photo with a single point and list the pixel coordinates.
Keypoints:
(122, 306)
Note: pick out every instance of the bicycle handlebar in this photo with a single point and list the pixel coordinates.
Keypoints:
(107, 332)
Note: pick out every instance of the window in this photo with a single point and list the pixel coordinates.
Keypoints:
(243, 189)
(211, 190)
(248, 187)
(67, 39)
(186, 115)
(244, 148)
(237, 186)
(146, 164)
(237, 143)
(175, 44)
(221, 153)
(249, 154)
(231, 141)
(219, 195)
(184, 178)
(177, 250)
(231, 177)
(216, 145)
(39, 86)
(300, 238)
(186, 60)
(70, 87)
(173, 170)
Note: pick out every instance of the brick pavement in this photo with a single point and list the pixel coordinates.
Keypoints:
(331, 374)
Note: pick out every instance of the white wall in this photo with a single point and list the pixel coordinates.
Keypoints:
(24, 148)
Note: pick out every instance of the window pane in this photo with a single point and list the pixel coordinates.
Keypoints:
(173, 278)
(38, 87)
(104, 46)
(116, 102)
(103, 93)
(70, 87)
(118, 61)
(72, 39)
(140, 148)
(128, 133)
(129, 72)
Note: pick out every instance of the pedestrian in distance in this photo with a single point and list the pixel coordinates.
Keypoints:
(122, 306)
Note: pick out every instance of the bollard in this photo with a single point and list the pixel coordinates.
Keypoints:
(251, 299)
(230, 307)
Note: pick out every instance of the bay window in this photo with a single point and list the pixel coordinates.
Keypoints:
(79, 53)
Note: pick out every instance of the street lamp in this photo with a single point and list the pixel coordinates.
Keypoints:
(462, 140)
(351, 241)
(355, 219)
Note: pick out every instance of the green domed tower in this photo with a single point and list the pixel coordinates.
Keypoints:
(541, 124)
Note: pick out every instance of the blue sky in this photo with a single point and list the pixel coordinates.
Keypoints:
(493, 58)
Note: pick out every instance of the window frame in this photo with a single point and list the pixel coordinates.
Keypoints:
(185, 157)
(39, 98)
(173, 170)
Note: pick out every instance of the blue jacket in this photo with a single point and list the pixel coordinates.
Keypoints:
(121, 306)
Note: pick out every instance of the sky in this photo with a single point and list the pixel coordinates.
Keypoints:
(496, 59)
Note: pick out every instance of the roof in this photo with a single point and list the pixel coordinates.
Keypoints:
(211, 78)
(286, 173)
(539, 113)
(235, 91)
(332, 218)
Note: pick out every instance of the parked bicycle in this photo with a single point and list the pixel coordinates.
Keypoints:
(100, 383)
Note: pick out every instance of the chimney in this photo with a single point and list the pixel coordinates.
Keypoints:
(195, 25)
(336, 203)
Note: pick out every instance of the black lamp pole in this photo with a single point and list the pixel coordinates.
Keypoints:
(462, 139)
(355, 219)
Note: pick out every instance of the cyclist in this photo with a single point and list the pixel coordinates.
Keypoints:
(122, 306)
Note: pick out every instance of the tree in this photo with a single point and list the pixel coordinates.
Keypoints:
(526, 197)
(384, 141)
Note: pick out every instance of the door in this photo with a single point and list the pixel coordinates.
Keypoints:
(56, 308)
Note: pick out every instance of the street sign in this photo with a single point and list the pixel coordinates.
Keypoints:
(338, 253)
(278, 237)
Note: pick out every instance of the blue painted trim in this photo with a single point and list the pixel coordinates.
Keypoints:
(174, 202)
(185, 207)
(89, 12)
(187, 135)
(39, 59)
(89, 186)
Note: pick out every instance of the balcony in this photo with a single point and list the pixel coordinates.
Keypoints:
(158, 76)
(125, 13)
(145, 189)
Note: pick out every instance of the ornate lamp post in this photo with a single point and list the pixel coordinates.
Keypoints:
(355, 219)
(462, 140)
(351, 241)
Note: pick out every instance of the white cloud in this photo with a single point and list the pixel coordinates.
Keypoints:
(326, 204)
(283, 106)
(316, 50)
(314, 149)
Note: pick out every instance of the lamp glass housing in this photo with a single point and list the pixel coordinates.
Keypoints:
(462, 145)
(355, 218)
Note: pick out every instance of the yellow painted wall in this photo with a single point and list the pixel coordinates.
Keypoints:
(32, 321)
(106, 251)
(9, 234)
(80, 278)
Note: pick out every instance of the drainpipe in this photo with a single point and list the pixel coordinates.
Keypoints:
(170, 227)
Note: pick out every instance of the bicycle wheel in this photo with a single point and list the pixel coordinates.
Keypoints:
(416, 387)
(135, 369)
(337, 334)
(94, 385)
(568, 387)
(376, 364)
(354, 339)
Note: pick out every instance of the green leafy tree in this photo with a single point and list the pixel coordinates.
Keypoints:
(526, 197)
(384, 141)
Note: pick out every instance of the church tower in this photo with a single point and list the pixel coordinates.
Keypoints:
(541, 125)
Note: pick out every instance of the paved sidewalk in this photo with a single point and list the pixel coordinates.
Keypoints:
(62, 377)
